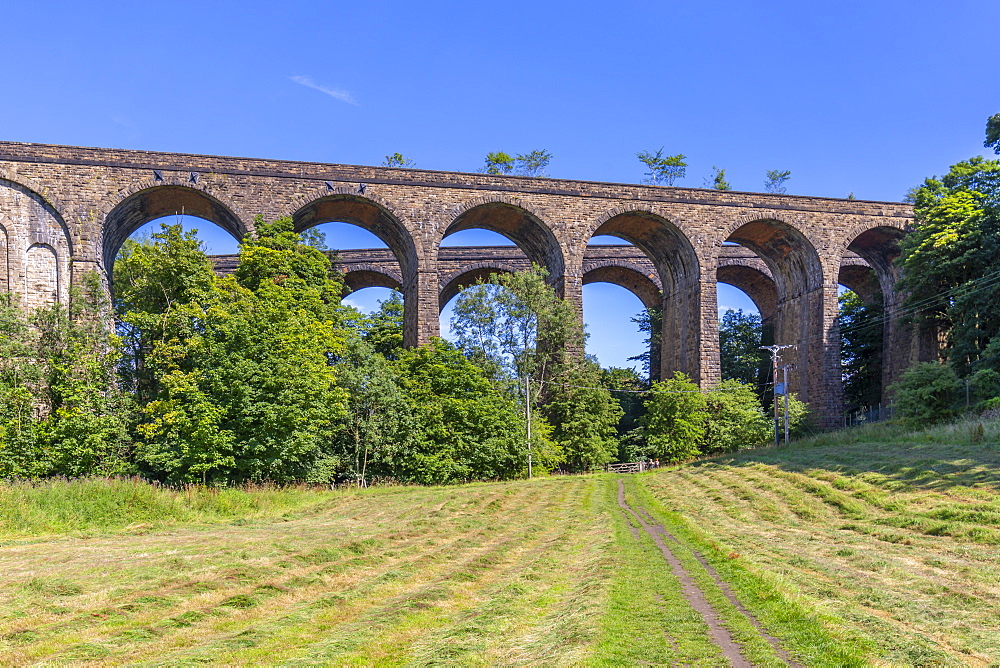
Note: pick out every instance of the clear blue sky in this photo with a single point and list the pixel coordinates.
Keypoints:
(863, 97)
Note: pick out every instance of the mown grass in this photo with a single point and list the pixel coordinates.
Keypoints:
(888, 537)
(877, 546)
(503, 573)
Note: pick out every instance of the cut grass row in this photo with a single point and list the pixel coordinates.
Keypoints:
(894, 537)
(877, 548)
(386, 575)
(544, 572)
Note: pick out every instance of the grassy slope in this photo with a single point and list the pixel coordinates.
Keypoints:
(884, 548)
(891, 539)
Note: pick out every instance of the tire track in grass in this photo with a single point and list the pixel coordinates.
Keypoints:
(726, 590)
(719, 634)
(874, 599)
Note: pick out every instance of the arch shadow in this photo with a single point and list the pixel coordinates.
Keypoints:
(517, 221)
(140, 205)
(678, 267)
(459, 280)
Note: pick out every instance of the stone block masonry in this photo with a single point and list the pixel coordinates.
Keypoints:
(65, 211)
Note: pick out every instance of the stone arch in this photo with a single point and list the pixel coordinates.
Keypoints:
(655, 234)
(54, 204)
(372, 213)
(368, 211)
(41, 276)
(37, 246)
(629, 276)
(756, 283)
(363, 276)
(878, 247)
(517, 220)
(860, 278)
(150, 199)
(805, 308)
(792, 258)
(677, 263)
(458, 280)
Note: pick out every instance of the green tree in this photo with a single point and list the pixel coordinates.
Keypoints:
(993, 133)
(62, 414)
(718, 180)
(151, 277)
(397, 160)
(650, 322)
(774, 181)
(498, 162)
(740, 355)
(735, 419)
(628, 388)
(663, 169)
(861, 351)
(466, 428)
(583, 415)
(927, 393)
(377, 424)
(522, 164)
(383, 330)
(948, 261)
(279, 256)
(88, 417)
(676, 418)
(241, 385)
(533, 163)
(519, 328)
(516, 326)
(20, 385)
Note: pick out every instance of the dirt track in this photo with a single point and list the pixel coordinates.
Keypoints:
(694, 595)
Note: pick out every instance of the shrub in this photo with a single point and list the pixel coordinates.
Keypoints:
(736, 419)
(926, 393)
(675, 419)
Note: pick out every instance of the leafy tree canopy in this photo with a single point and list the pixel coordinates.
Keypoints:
(675, 421)
(466, 428)
(522, 164)
(993, 133)
(739, 346)
(718, 180)
(861, 351)
(775, 179)
(664, 170)
(397, 160)
(948, 261)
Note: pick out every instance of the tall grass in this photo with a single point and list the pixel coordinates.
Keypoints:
(100, 504)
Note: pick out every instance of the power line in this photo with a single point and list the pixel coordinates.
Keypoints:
(984, 282)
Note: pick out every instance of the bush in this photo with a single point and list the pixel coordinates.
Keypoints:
(675, 420)
(736, 419)
(927, 393)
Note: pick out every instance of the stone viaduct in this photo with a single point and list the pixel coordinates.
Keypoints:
(65, 211)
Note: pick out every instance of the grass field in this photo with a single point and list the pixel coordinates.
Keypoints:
(878, 548)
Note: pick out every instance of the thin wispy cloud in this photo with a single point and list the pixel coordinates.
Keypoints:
(335, 93)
